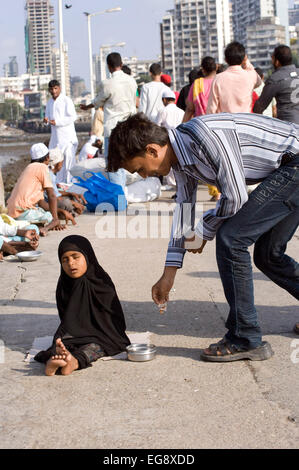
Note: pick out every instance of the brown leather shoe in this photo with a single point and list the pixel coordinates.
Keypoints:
(296, 328)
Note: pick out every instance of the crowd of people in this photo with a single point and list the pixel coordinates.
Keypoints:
(213, 131)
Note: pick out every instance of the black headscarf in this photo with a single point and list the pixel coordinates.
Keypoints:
(88, 307)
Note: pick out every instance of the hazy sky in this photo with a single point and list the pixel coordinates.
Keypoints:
(137, 25)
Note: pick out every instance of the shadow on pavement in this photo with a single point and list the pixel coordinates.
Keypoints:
(215, 275)
(183, 318)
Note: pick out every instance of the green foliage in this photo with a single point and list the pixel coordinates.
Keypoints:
(10, 110)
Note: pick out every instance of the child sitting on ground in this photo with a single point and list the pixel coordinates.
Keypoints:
(92, 321)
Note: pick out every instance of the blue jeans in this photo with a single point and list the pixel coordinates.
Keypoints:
(269, 219)
(119, 177)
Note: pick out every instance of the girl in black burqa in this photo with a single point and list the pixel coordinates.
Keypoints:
(92, 321)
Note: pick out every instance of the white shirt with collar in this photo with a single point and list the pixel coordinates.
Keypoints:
(62, 111)
(117, 95)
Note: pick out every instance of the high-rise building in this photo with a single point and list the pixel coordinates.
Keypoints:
(248, 12)
(56, 68)
(11, 69)
(192, 30)
(78, 86)
(262, 38)
(294, 14)
(39, 36)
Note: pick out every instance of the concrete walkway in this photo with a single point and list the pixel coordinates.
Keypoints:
(174, 401)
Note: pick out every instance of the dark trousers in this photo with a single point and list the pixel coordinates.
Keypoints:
(269, 219)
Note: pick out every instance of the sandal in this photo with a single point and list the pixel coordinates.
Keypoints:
(296, 328)
(224, 351)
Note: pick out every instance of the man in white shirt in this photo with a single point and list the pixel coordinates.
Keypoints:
(117, 96)
(61, 114)
(151, 94)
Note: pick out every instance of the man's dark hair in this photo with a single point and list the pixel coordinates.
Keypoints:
(208, 64)
(114, 60)
(53, 83)
(192, 75)
(41, 160)
(220, 68)
(259, 71)
(235, 53)
(283, 54)
(169, 100)
(126, 70)
(155, 69)
(130, 138)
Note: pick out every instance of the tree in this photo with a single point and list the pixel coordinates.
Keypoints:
(10, 110)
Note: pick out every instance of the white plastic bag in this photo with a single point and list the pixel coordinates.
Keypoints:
(146, 190)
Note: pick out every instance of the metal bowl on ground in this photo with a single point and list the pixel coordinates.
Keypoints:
(29, 255)
(141, 352)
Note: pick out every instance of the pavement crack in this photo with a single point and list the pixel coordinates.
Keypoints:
(20, 280)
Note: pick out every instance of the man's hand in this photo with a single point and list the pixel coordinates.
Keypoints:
(8, 249)
(52, 122)
(31, 235)
(79, 198)
(85, 107)
(195, 244)
(79, 208)
(160, 291)
(66, 215)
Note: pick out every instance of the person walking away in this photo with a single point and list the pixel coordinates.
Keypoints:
(181, 102)
(167, 80)
(271, 109)
(231, 90)
(151, 94)
(281, 85)
(61, 115)
(197, 102)
(117, 96)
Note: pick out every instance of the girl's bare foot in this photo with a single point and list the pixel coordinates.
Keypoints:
(54, 363)
(60, 347)
(71, 362)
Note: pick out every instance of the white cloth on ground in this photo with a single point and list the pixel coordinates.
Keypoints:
(44, 342)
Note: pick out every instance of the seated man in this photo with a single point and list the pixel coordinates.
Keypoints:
(26, 201)
(66, 201)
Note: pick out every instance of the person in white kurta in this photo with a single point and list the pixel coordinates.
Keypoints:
(61, 114)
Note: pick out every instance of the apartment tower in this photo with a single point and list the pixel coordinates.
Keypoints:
(39, 36)
(191, 31)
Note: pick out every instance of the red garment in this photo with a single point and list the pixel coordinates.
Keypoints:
(255, 97)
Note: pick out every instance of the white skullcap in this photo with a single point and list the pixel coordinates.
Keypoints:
(38, 151)
(168, 94)
(56, 156)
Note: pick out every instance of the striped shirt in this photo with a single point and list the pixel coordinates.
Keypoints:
(228, 151)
